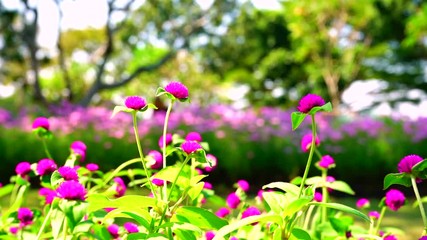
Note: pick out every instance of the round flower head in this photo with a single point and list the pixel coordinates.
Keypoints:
(71, 190)
(362, 203)
(113, 229)
(374, 214)
(423, 238)
(155, 158)
(250, 211)
(135, 102)
(13, 230)
(318, 197)
(23, 169)
(49, 194)
(168, 140)
(193, 136)
(41, 122)
(310, 101)
(131, 227)
(306, 142)
(190, 146)
(46, 166)
(405, 165)
(25, 216)
(390, 237)
(207, 185)
(326, 162)
(120, 187)
(233, 200)
(68, 173)
(177, 89)
(222, 212)
(80, 153)
(78, 145)
(213, 160)
(158, 182)
(209, 235)
(243, 184)
(92, 167)
(394, 199)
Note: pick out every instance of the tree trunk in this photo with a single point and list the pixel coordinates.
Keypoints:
(331, 81)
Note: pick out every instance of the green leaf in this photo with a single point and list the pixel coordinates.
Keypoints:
(5, 190)
(101, 232)
(299, 234)
(419, 170)
(83, 227)
(277, 235)
(118, 109)
(297, 205)
(98, 201)
(74, 211)
(199, 217)
(297, 118)
(16, 204)
(276, 201)
(56, 179)
(160, 91)
(342, 208)
(246, 221)
(284, 186)
(327, 108)
(397, 178)
(341, 186)
(200, 156)
(139, 218)
(195, 190)
(142, 216)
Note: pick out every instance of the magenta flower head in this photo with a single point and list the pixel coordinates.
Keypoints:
(213, 160)
(25, 216)
(46, 166)
(78, 145)
(168, 140)
(71, 190)
(394, 199)
(233, 200)
(306, 142)
(68, 173)
(222, 212)
(92, 167)
(326, 162)
(362, 203)
(390, 237)
(113, 229)
(250, 211)
(207, 185)
(374, 214)
(310, 101)
(318, 197)
(13, 230)
(41, 122)
(120, 187)
(155, 158)
(405, 165)
(423, 238)
(243, 184)
(131, 227)
(158, 182)
(209, 235)
(48, 194)
(23, 169)
(190, 147)
(177, 89)
(135, 102)
(193, 136)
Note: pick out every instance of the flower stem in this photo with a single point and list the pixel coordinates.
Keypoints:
(377, 228)
(141, 154)
(64, 230)
(165, 129)
(39, 234)
(420, 203)
(324, 195)
(310, 156)
(46, 150)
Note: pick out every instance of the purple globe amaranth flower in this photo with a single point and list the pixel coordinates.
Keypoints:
(233, 238)
(209, 235)
(155, 158)
(23, 169)
(25, 216)
(405, 165)
(190, 146)
(222, 212)
(113, 229)
(158, 182)
(120, 187)
(250, 211)
(233, 200)
(41, 122)
(49, 194)
(374, 214)
(394, 199)
(310, 101)
(71, 190)
(68, 173)
(243, 184)
(207, 185)
(318, 197)
(13, 230)
(363, 203)
(131, 227)
(168, 140)
(80, 153)
(92, 167)
(306, 142)
(326, 162)
(390, 237)
(46, 166)
(193, 136)
(78, 145)
(177, 89)
(213, 160)
(423, 238)
(135, 102)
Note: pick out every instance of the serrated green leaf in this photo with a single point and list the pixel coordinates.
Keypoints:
(297, 118)
(342, 208)
(284, 186)
(118, 109)
(397, 178)
(199, 217)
